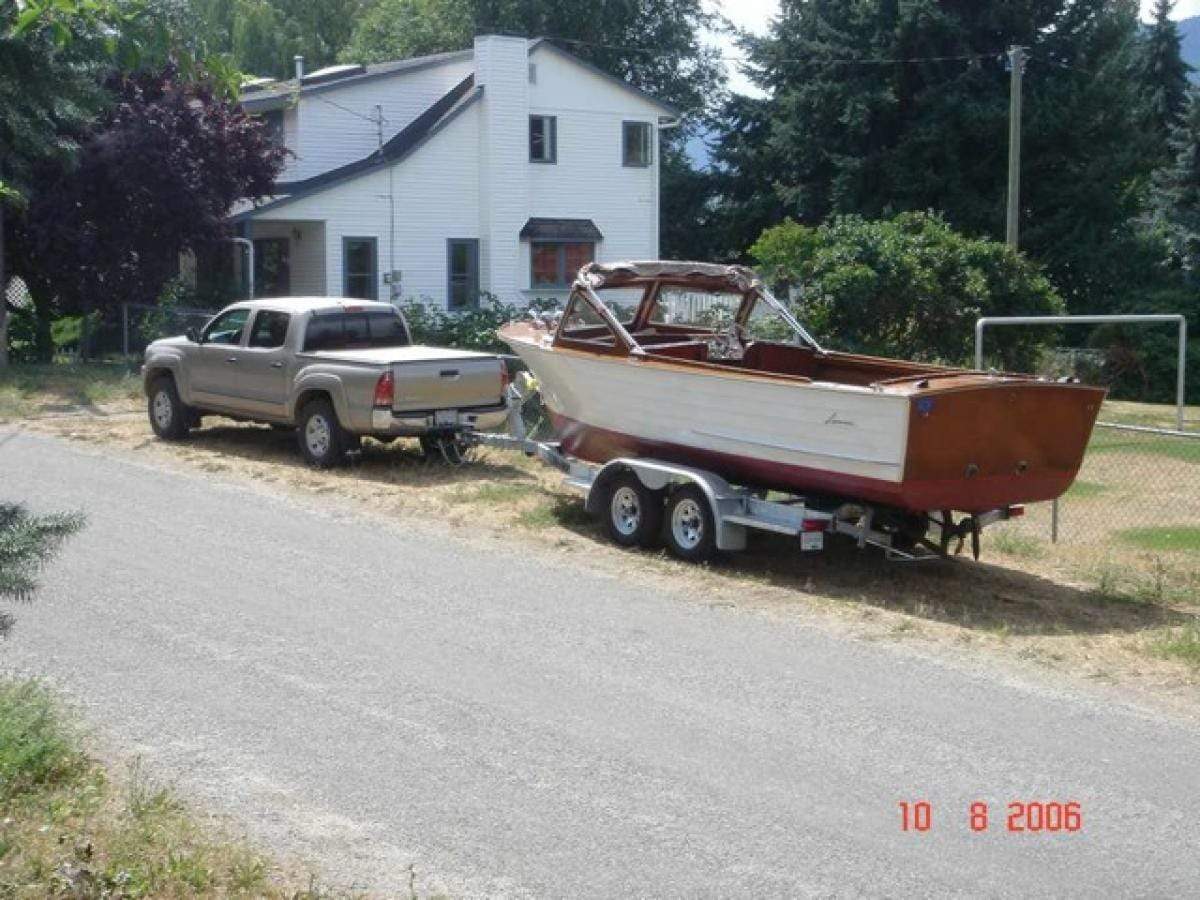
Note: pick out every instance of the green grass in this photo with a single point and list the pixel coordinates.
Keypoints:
(1083, 490)
(1106, 440)
(30, 390)
(1165, 538)
(1014, 543)
(1181, 644)
(67, 829)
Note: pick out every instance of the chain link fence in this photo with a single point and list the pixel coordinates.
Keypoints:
(1135, 505)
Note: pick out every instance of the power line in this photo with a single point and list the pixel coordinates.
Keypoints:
(866, 60)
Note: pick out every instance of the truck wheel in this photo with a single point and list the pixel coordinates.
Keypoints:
(632, 512)
(323, 441)
(169, 416)
(690, 531)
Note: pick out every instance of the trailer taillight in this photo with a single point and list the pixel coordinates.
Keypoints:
(814, 525)
(385, 390)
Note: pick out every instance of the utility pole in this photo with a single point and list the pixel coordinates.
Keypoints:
(1016, 58)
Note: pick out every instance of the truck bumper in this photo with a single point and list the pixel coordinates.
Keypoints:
(403, 423)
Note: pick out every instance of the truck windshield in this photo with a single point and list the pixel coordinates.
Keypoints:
(355, 331)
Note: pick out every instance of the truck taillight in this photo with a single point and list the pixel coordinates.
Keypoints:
(505, 378)
(385, 390)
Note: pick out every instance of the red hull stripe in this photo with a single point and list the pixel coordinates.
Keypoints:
(963, 494)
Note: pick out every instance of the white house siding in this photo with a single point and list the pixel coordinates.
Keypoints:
(333, 128)
(502, 69)
(436, 192)
(589, 180)
(473, 178)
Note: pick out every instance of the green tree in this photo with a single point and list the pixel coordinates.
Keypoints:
(396, 29)
(1163, 72)
(908, 287)
(879, 106)
(27, 543)
(1175, 198)
(658, 47)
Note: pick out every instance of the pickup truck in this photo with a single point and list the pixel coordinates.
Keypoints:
(333, 369)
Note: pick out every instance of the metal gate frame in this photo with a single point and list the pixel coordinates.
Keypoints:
(1147, 319)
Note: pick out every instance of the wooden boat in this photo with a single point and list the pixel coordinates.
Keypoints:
(699, 364)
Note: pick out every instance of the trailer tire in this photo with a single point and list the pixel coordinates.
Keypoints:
(633, 513)
(689, 527)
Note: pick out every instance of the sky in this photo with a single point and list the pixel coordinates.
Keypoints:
(754, 15)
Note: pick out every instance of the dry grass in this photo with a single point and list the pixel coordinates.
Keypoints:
(30, 391)
(1066, 607)
(70, 829)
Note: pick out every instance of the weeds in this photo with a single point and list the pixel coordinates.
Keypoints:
(1182, 644)
(1014, 543)
(66, 831)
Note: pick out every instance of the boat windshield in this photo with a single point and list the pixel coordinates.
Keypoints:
(714, 310)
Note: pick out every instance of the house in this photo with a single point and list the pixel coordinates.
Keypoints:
(501, 169)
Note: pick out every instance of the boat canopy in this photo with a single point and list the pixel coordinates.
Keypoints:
(710, 276)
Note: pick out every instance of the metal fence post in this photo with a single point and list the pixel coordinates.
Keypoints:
(1181, 388)
(1054, 521)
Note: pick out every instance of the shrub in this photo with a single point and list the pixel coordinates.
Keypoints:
(473, 328)
(908, 287)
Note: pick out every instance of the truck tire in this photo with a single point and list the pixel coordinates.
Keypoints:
(170, 417)
(689, 529)
(323, 441)
(633, 513)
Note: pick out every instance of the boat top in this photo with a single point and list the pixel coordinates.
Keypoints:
(722, 319)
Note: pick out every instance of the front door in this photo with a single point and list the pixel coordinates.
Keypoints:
(462, 263)
(213, 371)
(272, 267)
(262, 371)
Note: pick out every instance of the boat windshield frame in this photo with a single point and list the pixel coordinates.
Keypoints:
(753, 294)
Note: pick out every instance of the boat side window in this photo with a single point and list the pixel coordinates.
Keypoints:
(694, 310)
(581, 322)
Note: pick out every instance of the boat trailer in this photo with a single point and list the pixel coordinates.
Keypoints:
(699, 513)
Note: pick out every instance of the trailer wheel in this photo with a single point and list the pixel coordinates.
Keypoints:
(690, 531)
(633, 512)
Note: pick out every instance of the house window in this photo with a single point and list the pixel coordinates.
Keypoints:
(635, 143)
(272, 267)
(553, 264)
(543, 139)
(462, 267)
(359, 267)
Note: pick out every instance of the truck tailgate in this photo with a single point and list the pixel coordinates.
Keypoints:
(452, 383)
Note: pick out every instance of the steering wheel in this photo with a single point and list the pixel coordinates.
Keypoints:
(728, 343)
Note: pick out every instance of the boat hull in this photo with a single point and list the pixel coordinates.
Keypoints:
(981, 443)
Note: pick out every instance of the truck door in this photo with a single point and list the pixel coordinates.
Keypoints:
(213, 371)
(263, 373)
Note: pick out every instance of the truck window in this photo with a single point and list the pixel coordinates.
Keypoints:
(270, 329)
(355, 331)
(226, 328)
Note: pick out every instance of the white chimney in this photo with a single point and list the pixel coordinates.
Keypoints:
(299, 60)
(502, 70)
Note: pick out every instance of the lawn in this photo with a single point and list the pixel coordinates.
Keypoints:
(31, 390)
(69, 828)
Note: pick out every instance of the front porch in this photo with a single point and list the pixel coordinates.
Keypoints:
(289, 258)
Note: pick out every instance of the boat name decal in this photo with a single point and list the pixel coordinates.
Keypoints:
(834, 420)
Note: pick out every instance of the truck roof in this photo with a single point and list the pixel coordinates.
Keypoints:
(314, 304)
